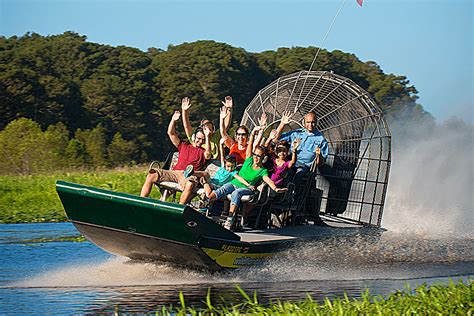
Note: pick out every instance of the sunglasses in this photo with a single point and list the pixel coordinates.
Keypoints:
(209, 125)
(240, 134)
(257, 155)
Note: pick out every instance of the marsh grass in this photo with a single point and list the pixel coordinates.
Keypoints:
(78, 238)
(26, 199)
(437, 299)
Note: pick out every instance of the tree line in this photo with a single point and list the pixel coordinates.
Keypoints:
(88, 104)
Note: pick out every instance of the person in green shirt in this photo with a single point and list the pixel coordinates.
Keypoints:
(251, 173)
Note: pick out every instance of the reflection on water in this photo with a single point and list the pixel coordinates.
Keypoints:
(147, 298)
(80, 278)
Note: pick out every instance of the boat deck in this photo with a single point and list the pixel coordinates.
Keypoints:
(330, 227)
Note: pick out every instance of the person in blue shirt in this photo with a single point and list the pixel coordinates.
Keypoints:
(313, 146)
(223, 175)
(311, 141)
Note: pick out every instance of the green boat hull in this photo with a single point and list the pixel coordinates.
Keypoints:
(148, 229)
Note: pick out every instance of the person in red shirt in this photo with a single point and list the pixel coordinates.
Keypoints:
(214, 136)
(237, 147)
(188, 154)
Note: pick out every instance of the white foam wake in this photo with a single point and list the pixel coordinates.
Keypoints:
(430, 191)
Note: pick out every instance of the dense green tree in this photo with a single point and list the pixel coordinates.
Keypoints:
(120, 95)
(206, 71)
(75, 154)
(94, 143)
(26, 149)
(40, 78)
(66, 79)
(56, 139)
(121, 152)
(20, 146)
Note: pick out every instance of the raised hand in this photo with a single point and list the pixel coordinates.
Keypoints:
(296, 143)
(256, 129)
(222, 140)
(206, 130)
(273, 134)
(285, 119)
(176, 116)
(223, 112)
(228, 102)
(262, 121)
(185, 104)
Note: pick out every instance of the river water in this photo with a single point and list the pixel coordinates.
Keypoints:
(428, 215)
(39, 276)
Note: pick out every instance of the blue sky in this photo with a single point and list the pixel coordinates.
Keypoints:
(429, 41)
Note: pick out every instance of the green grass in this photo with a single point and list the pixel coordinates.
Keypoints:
(55, 239)
(26, 199)
(437, 299)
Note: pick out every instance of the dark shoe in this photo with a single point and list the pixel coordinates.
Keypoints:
(188, 171)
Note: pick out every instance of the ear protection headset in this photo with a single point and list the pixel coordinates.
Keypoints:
(231, 158)
(265, 153)
(282, 144)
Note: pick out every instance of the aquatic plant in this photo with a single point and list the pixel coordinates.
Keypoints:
(437, 299)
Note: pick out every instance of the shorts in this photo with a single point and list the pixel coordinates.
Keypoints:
(176, 176)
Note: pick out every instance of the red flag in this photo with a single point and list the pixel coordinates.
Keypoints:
(359, 2)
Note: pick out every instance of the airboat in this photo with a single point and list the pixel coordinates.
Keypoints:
(343, 197)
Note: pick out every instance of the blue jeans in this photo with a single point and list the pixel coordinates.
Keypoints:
(237, 193)
(301, 171)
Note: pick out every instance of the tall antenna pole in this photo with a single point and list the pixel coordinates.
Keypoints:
(326, 35)
(317, 53)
